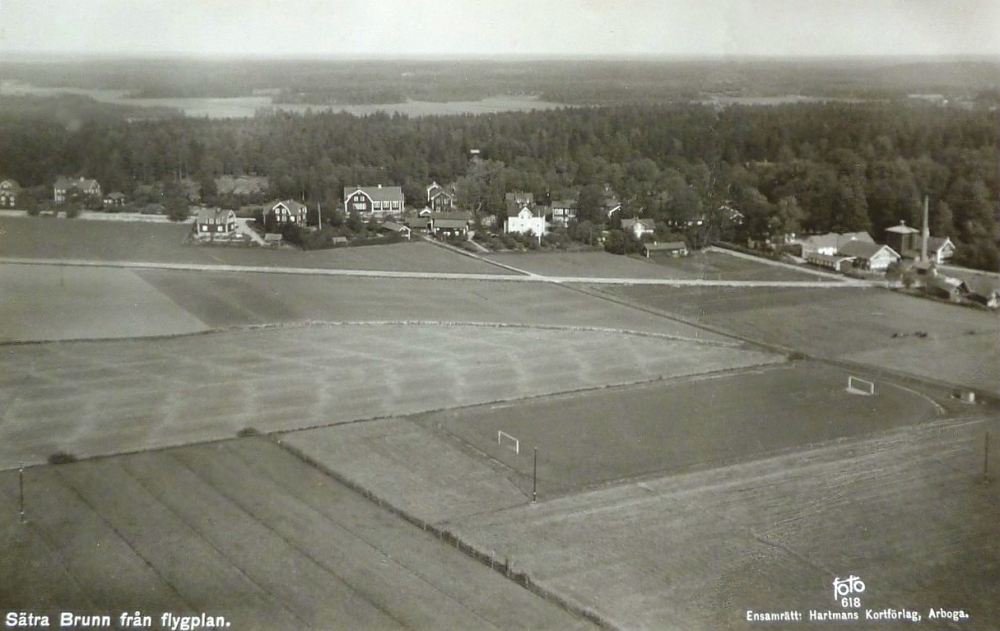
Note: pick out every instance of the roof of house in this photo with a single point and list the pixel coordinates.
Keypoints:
(863, 249)
(9, 185)
(520, 197)
(462, 215)
(395, 227)
(647, 224)
(668, 246)
(944, 283)
(272, 237)
(65, 183)
(115, 195)
(902, 228)
(292, 205)
(564, 203)
(983, 286)
(934, 244)
(416, 222)
(836, 240)
(205, 214)
(376, 193)
(451, 223)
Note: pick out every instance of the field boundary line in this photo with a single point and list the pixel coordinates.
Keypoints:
(385, 323)
(505, 568)
(454, 276)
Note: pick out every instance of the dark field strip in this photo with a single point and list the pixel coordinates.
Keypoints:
(245, 530)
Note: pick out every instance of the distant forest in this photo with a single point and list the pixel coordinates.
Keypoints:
(567, 81)
(788, 168)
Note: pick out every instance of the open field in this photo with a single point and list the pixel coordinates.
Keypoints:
(853, 324)
(905, 511)
(240, 529)
(227, 299)
(698, 266)
(49, 238)
(51, 303)
(603, 436)
(91, 398)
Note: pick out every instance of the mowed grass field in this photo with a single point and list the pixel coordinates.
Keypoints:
(698, 266)
(240, 529)
(93, 398)
(54, 303)
(603, 436)
(906, 511)
(67, 239)
(871, 326)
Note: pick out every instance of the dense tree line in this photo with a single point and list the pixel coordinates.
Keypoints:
(788, 168)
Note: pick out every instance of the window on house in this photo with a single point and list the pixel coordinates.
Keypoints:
(395, 205)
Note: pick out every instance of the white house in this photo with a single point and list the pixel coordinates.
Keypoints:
(526, 222)
(639, 227)
(869, 256)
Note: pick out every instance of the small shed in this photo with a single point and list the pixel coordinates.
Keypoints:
(670, 248)
(272, 239)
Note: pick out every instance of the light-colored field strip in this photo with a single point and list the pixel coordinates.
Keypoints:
(436, 275)
(94, 398)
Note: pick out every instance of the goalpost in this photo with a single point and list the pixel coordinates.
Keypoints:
(856, 385)
(505, 439)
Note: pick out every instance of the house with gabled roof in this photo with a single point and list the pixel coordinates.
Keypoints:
(115, 199)
(440, 198)
(449, 223)
(639, 227)
(982, 290)
(65, 186)
(286, 211)
(401, 229)
(527, 221)
(871, 257)
(374, 202)
(563, 211)
(214, 223)
(9, 190)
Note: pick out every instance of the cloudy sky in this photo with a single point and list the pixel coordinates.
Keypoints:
(502, 27)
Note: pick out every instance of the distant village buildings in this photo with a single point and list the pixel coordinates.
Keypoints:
(65, 187)
(9, 191)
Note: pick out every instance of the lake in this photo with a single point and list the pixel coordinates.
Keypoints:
(246, 106)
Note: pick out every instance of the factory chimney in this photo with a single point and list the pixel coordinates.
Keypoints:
(926, 231)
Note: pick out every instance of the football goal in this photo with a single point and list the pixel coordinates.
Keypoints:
(856, 385)
(506, 440)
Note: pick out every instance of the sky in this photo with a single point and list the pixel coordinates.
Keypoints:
(447, 28)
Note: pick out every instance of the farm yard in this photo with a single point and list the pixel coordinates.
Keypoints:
(874, 327)
(240, 529)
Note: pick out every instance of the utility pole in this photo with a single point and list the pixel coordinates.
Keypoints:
(926, 231)
(534, 478)
(20, 480)
(986, 458)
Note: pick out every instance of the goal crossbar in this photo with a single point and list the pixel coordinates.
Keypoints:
(505, 439)
(857, 385)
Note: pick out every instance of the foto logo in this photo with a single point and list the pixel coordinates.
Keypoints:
(846, 590)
